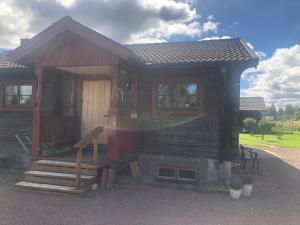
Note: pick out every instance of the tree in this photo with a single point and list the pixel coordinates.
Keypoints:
(280, 113)
(297, 115)
(250, 124)
(265, 127)
(278, 131)
(272, 111)
(289, 110)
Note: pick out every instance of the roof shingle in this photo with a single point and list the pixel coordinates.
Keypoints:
(7, 65)
(205, 51)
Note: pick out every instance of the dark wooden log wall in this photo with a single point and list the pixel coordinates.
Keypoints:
(193, 135)
(231, 128)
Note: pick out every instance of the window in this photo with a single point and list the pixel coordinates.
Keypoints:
(186, 174)
(18, 95)
(177, 95)
(177, 174)
(188, 95)
(166, 95)
(166, 173)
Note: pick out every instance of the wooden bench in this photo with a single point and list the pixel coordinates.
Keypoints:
(248, 154)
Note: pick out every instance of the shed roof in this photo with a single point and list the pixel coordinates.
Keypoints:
(193, 52)
(252, 104)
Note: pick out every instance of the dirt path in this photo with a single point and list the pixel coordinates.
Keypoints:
(275, 200)
(288, 155)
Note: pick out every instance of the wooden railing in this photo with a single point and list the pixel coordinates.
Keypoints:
(79, 146)
(61, 128)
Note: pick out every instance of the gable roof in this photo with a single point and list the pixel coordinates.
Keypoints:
(252, 104)
(7, 65)
(192, 52)
(67, 23)
(152, 54)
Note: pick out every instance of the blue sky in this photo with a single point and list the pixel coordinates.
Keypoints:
(272, 28)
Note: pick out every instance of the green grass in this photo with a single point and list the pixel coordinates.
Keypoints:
(288, 140)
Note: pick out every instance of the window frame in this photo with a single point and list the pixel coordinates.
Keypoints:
(178, 82)
(18, 106)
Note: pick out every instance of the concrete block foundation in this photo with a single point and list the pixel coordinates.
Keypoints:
(207, 169)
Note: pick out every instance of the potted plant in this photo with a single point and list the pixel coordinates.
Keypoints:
(235, 188)
(247, 180)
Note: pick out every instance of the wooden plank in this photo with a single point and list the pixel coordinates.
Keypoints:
(78, 167)
(58, 175)
(96, 104)
(95, 155)
(37, 113)
(88, 138)
(50, 187)
(67, 164)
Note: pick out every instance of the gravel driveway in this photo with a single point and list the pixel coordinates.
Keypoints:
(275, 200)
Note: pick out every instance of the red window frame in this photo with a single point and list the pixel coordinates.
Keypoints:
(178, 82)
(17, 107)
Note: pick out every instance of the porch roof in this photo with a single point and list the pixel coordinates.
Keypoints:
(29, 46)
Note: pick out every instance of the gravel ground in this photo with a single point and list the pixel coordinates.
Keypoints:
(275, 200)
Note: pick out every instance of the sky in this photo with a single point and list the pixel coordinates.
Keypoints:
(270, 27)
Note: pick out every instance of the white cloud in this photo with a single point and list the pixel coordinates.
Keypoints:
(260, 54)
(216, 38)
(164, 31)
(11, 26)
(210, 17)
(277, 78)
(66, 3)
(122, 20)
(210, 26)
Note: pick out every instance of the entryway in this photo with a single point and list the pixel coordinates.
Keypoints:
(96, 97)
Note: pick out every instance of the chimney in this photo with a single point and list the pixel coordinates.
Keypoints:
(23, 41)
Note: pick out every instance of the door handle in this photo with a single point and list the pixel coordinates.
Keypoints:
(106, 115)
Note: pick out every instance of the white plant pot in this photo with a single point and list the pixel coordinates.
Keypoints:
(235, 194)
(247, 189)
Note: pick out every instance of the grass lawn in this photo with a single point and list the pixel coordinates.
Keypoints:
(288, 140)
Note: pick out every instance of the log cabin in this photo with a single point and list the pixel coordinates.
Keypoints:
(167, 111)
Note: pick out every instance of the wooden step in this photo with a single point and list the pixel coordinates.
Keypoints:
(54, 178)
(65, 167)
(51, 188)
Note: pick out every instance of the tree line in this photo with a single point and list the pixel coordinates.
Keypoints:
(287, 113)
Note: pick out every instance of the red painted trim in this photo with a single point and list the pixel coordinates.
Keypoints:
(67, 23)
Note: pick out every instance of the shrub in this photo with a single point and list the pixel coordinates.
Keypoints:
(235, 183)
(265, 127)
(246, 179)
(278, 131)
(250, 124)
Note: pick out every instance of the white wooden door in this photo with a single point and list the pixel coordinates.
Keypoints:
(95, 107)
